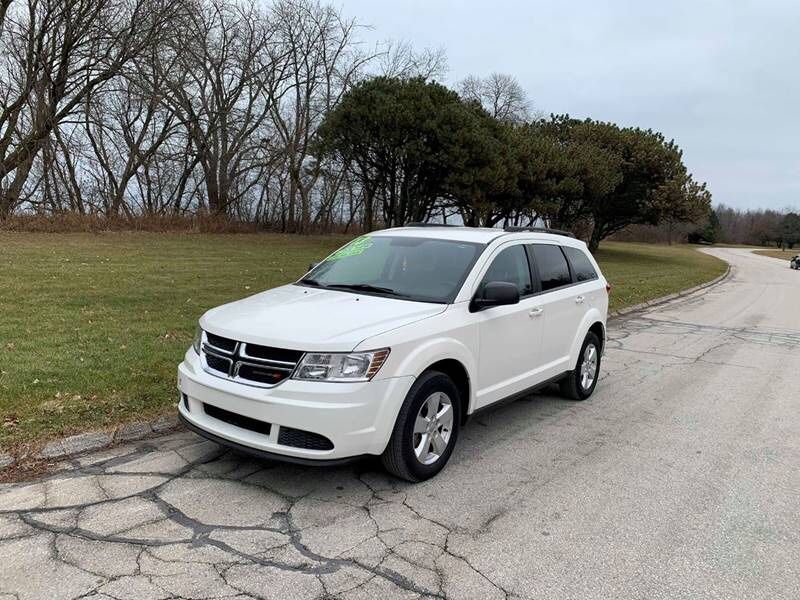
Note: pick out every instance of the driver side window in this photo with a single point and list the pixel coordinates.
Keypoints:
(511, 266)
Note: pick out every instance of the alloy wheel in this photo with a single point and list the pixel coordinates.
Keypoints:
(588, 366)
(433, 428)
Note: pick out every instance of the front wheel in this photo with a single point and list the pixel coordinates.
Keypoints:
(426, 429)
(581, 381)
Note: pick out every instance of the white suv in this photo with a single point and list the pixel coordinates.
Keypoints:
(389, 344)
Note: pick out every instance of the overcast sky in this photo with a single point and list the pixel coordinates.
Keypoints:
(721, 78)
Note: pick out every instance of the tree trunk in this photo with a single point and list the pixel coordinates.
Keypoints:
(216, 203)
(5, 206)
(305, 209)
(594, 240)
(369, 203)
(11, 198)
(290, 225)
(392, 213)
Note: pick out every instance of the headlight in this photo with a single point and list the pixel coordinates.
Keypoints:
(198, 339)
(341, 367)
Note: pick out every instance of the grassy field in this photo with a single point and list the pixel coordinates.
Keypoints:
(640, 272)
(92, 327)
(782, 254)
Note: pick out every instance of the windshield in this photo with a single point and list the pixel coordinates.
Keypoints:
(421, 269)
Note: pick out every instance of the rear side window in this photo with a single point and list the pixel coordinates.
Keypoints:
(582, 268)
(511, 266)
(552, 266)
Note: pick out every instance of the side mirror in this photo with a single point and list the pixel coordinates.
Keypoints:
(312, 266)
(496, 293)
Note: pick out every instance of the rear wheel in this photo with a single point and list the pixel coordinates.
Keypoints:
(581, 381)
(426, 429)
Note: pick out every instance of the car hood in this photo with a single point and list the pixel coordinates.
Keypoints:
(306, 318)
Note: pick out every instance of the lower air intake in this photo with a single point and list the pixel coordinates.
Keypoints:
(236, 420)
(297, 438)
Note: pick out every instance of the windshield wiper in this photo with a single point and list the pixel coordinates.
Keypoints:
(312, 282)
(365, 287)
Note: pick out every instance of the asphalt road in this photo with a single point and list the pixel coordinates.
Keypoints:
(680, 478)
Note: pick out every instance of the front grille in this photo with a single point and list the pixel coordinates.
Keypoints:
(297, 438)
(218, 363)
(274, 354)
(261, 374)
(237, 420)
(221, 343)
(247, 363)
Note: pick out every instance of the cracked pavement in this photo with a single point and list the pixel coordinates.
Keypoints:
(679, 478)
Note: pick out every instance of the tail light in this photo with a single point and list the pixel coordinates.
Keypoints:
(608, 288)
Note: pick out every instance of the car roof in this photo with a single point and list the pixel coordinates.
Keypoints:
(480, 235)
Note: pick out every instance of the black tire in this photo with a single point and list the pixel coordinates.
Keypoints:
(399, 457)
(571, 385)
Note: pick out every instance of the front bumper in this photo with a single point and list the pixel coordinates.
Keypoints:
(357, 418)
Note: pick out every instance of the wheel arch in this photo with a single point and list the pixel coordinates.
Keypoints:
(450, 355)
(458, 373)
(599, 330)
(595, 322)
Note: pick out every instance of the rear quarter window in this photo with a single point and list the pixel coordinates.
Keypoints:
(582, 267)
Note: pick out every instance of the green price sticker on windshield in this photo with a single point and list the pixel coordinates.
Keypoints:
(354, 248)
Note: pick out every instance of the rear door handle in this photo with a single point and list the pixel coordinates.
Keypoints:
(579, 299)
(535, 312)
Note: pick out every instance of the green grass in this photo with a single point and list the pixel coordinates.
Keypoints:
(640, 272)
(782, 254)
(92, 326)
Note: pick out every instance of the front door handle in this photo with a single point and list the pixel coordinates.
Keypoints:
(579, 299)
(535, 312)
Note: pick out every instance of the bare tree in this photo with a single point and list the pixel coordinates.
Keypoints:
(400, 59)
(322, 63)
(131, 107)
(501, 95)
(222, 87)
(127, 125)
(55, 53)
(4, 6)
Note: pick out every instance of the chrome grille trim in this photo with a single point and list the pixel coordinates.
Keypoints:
(207, 340)
(217, 349)
(218, 353)
(265, 361)
(247, 363)
(235, 363)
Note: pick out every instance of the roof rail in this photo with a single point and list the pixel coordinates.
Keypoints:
(539, 230)
(431, 225)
